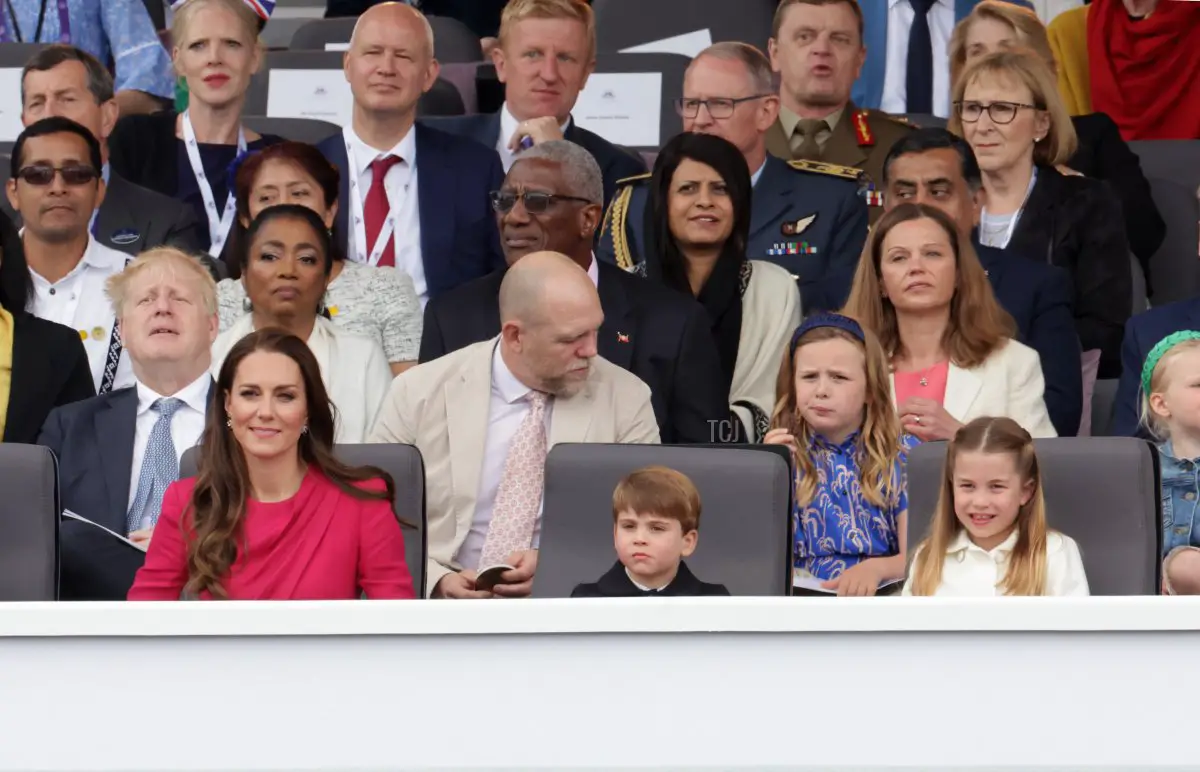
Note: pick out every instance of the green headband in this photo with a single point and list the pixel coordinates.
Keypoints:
(1161, 348)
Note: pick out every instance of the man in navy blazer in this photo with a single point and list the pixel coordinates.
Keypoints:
(166, 306)
(1142, 332)
(544, 57)
(435, 185)
(934, 167)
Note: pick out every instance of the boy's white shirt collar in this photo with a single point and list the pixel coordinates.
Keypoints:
(643, 587)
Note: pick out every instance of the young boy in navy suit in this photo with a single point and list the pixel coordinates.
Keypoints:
(656, 517)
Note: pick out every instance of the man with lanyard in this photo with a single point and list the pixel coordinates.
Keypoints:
(55, 187)
(117, 31)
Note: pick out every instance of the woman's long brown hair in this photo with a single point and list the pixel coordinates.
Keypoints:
(1026, 573)
(212, 524)
(978, 325)
(879, 443)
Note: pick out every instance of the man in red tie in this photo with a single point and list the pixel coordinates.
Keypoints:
(411, 197)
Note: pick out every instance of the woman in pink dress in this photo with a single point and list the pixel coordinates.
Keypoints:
(272, 515)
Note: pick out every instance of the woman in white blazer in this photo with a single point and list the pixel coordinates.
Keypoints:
(285, 269)
(698, 227)
(953, 356)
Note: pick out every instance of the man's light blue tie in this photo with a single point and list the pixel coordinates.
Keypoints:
(160, 467)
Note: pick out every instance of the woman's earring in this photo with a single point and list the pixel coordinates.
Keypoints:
(246, 308)
(229, 423)
(304, 430)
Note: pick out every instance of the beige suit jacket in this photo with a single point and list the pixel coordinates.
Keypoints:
(441, 407)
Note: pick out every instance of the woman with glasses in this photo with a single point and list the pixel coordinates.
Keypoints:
(1008, 108)
(698, 224)
(285, 270)
(1102, 154)
(377, 302)
(188, 155)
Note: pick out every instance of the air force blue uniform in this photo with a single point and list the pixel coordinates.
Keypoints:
(807, 217)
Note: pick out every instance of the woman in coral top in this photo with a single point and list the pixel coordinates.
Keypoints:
(272, 515)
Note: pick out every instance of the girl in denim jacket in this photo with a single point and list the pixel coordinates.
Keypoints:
(1171, 411)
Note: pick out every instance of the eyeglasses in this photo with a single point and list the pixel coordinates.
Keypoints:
(535, 202)
(721, 107)
(999, 112)
(43, 174)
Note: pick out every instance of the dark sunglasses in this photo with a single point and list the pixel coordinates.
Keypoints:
(535, 203)
(43, 174)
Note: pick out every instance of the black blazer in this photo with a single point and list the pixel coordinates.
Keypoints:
(616, 584)
(1104, 154)
(133, 219)
(615, 162)
(1039, 299)
(659, 335)
(49, 369)
(459, 239)
(93, 441)
(1076, 223)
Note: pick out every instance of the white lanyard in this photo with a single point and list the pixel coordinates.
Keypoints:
(218, 226)
(1012, 223)
(359, 216)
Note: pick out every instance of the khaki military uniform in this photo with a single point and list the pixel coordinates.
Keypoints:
(860, 139)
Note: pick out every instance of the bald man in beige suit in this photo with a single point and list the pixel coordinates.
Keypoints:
(463, 410)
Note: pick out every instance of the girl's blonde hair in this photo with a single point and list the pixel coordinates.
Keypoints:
(1026, 68)
(879, 444)
(1026, 573)
(1024, 23)
(978, 325)
(1159, 381)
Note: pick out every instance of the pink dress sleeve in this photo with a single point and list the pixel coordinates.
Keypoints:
(382, 570)
(164, 574)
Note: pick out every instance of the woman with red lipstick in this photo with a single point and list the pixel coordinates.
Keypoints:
(698, 223)
(272, 514)
(189, 156)
(1008, 108)
(921, 289)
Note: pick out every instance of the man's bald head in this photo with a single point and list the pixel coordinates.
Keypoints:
(533, 282)
(549, 315)
(392, 13)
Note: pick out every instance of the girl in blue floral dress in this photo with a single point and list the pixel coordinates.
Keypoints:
(834, 410)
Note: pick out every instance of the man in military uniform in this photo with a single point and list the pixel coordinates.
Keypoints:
(817, 48)
(807, 217)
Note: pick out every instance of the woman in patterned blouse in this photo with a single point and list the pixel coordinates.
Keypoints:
(377, 302)
(834, 410)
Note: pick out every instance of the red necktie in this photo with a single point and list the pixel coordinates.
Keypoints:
(376, 209)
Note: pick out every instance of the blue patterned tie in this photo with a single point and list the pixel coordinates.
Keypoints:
(160, 467)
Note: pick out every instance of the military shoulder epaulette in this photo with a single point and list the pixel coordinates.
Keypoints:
(820, 167)
(634, 178)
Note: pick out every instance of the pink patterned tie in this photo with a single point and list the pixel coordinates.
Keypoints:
(520, 494)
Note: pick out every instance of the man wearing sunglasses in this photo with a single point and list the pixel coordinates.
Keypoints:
(55, 187)
(66, 81)
(807, 218)
(550, 200)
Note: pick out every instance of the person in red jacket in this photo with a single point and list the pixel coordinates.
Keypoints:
(272, 515)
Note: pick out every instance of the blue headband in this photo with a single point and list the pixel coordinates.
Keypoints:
(826, 320)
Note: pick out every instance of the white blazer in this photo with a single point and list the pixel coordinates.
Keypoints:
(770, 314)
(1009, 384)
(353, 368)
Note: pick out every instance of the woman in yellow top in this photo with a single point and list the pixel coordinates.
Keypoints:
(42, 364)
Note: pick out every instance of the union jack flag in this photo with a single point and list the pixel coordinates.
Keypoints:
(262, 7)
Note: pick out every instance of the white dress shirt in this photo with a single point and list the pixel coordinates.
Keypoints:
(971, 572)
(755, 177)
(78, 301)
(899, 24)
(593, 272)
(401, 186)
(353, 368)
(508, 127)
(187, 425)
(506, 410)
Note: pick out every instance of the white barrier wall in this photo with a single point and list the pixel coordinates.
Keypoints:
(705, 683)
